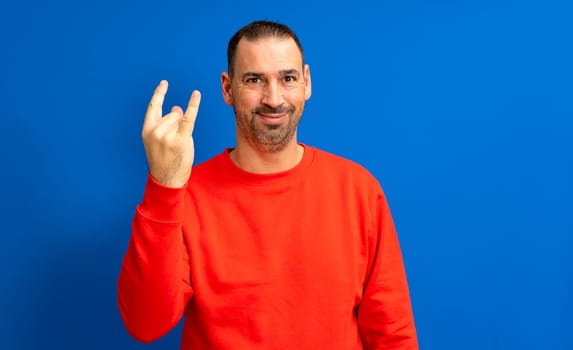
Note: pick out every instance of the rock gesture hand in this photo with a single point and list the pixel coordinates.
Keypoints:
(168, 138)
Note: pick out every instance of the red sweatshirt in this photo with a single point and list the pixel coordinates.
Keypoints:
(303, 259)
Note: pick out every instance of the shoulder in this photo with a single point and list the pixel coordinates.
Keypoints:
(338, 167)
(213, 162)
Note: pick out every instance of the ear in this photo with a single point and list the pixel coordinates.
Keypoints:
(226, 88)
(307, 82)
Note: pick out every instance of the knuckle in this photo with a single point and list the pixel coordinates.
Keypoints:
(189, 117)
(155, 136)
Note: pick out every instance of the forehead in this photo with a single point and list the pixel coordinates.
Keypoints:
(267, 55)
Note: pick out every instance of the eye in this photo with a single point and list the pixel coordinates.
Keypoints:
(253, 80)
(289, 79)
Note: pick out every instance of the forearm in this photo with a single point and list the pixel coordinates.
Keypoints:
(386, 321)
(151, 291)
(385, 315)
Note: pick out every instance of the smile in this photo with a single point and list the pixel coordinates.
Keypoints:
(272, 118)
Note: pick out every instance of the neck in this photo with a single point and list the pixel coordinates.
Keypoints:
(260, 162)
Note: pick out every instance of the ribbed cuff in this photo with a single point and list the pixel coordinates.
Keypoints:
(162, 203)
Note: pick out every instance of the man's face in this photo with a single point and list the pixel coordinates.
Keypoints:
(268, 91)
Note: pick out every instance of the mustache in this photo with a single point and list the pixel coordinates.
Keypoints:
(270, 110)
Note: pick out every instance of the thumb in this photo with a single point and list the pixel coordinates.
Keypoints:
(188, 122)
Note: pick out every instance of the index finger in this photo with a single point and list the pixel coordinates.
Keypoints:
(154, 110)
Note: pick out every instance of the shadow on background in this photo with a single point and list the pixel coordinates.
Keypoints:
(72, 303)
(63, 241)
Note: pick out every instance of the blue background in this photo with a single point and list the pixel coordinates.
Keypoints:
(462, 109)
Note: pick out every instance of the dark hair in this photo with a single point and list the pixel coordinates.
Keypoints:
(258, 30)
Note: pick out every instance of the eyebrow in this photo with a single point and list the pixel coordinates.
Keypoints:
(282, 73)
(252, 74)
(289, 72)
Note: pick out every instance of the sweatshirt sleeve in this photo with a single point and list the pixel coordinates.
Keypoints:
(385, 317)
(154, 282)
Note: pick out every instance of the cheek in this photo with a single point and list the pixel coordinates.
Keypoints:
(295, 97)
(247, 99)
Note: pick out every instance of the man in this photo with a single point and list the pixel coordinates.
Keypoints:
(272, 244)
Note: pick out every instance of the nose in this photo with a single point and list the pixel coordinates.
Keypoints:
(272, 94)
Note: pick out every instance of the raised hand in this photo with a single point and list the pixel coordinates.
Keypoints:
(168, 139)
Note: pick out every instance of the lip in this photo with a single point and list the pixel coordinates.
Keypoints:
(272, 118)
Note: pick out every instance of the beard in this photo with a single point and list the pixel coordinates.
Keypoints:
(268, 137)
